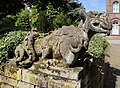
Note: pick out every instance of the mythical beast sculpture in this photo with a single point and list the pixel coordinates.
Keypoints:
(68, 43)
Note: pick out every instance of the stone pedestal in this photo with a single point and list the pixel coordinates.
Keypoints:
(39, 76)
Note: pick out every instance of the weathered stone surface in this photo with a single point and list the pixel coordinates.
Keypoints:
(68, 43)
(3, 85)
(8, 81)
(63, 73)
(44, 83)
(24, 85)
(11, 70)
(29, 77)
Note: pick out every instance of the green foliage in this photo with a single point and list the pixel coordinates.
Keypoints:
(23, 18)
(49, 15)
(8, 21)
(97, 46)
(7, 24)
(42, 23)
(28, 19)
(8, 43)
(96, 49)
(56, 17)
(33, 17)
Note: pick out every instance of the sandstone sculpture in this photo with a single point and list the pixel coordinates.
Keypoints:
(68, 43)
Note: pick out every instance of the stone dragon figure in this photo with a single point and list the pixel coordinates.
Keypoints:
(68, 43)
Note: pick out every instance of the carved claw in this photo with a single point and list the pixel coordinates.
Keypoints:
(24, 64)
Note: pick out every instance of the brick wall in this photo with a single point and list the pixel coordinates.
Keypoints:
(113, 17)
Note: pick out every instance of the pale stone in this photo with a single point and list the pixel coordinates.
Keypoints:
(8, 80)
(24, 85)
(10, 74)
(44, 84)
(67, 85)
(19, 74)
(5, 86)
(51, 84)
(29, 77)
(0, 79)
(64, 73)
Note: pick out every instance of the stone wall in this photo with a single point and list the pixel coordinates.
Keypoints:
(22, 78)
(13, 77)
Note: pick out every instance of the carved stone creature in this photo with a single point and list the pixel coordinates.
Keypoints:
(68, 43)
(26, 50)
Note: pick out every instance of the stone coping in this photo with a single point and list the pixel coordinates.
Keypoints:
(67, 73)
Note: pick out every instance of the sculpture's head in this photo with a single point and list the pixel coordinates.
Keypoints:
(101, 24)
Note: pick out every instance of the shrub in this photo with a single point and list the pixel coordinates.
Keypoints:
(23, 18)
(8, 21)
(96, 50)
(97, 46)
(8, 43)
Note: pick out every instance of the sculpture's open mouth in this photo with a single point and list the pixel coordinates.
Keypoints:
(106, 30)
(105, 34)
(100, 28)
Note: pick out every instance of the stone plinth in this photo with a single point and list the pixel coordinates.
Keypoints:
(39, 76)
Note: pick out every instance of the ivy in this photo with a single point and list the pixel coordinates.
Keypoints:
(8, 43)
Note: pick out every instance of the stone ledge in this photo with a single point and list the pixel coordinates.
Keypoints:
(49, 77)
(65, 73)
(72, 75)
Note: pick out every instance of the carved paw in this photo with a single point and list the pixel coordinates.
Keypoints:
(24, 64)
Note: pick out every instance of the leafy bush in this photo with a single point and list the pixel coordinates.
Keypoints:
(45, 20)
(7, 24)
(56, 17)
(96, 50)
(97, 46)
(33, 17)
(8, 43)
(8, 21)
(23, 18)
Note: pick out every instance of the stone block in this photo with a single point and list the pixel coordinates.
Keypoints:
(38, 82)
(24, 85)
(67, 85)
(44, 83)
(57, 84)
(64, 73)
(0, 78)
(19, 74)
(27, 76)
(77, 84)
(51, 84)
(8, 80)
(10, 70)
(3, 85)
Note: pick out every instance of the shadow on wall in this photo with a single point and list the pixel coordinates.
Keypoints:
(111, 77)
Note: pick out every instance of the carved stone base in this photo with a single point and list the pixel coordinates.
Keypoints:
(41, 76)
(49, 67)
